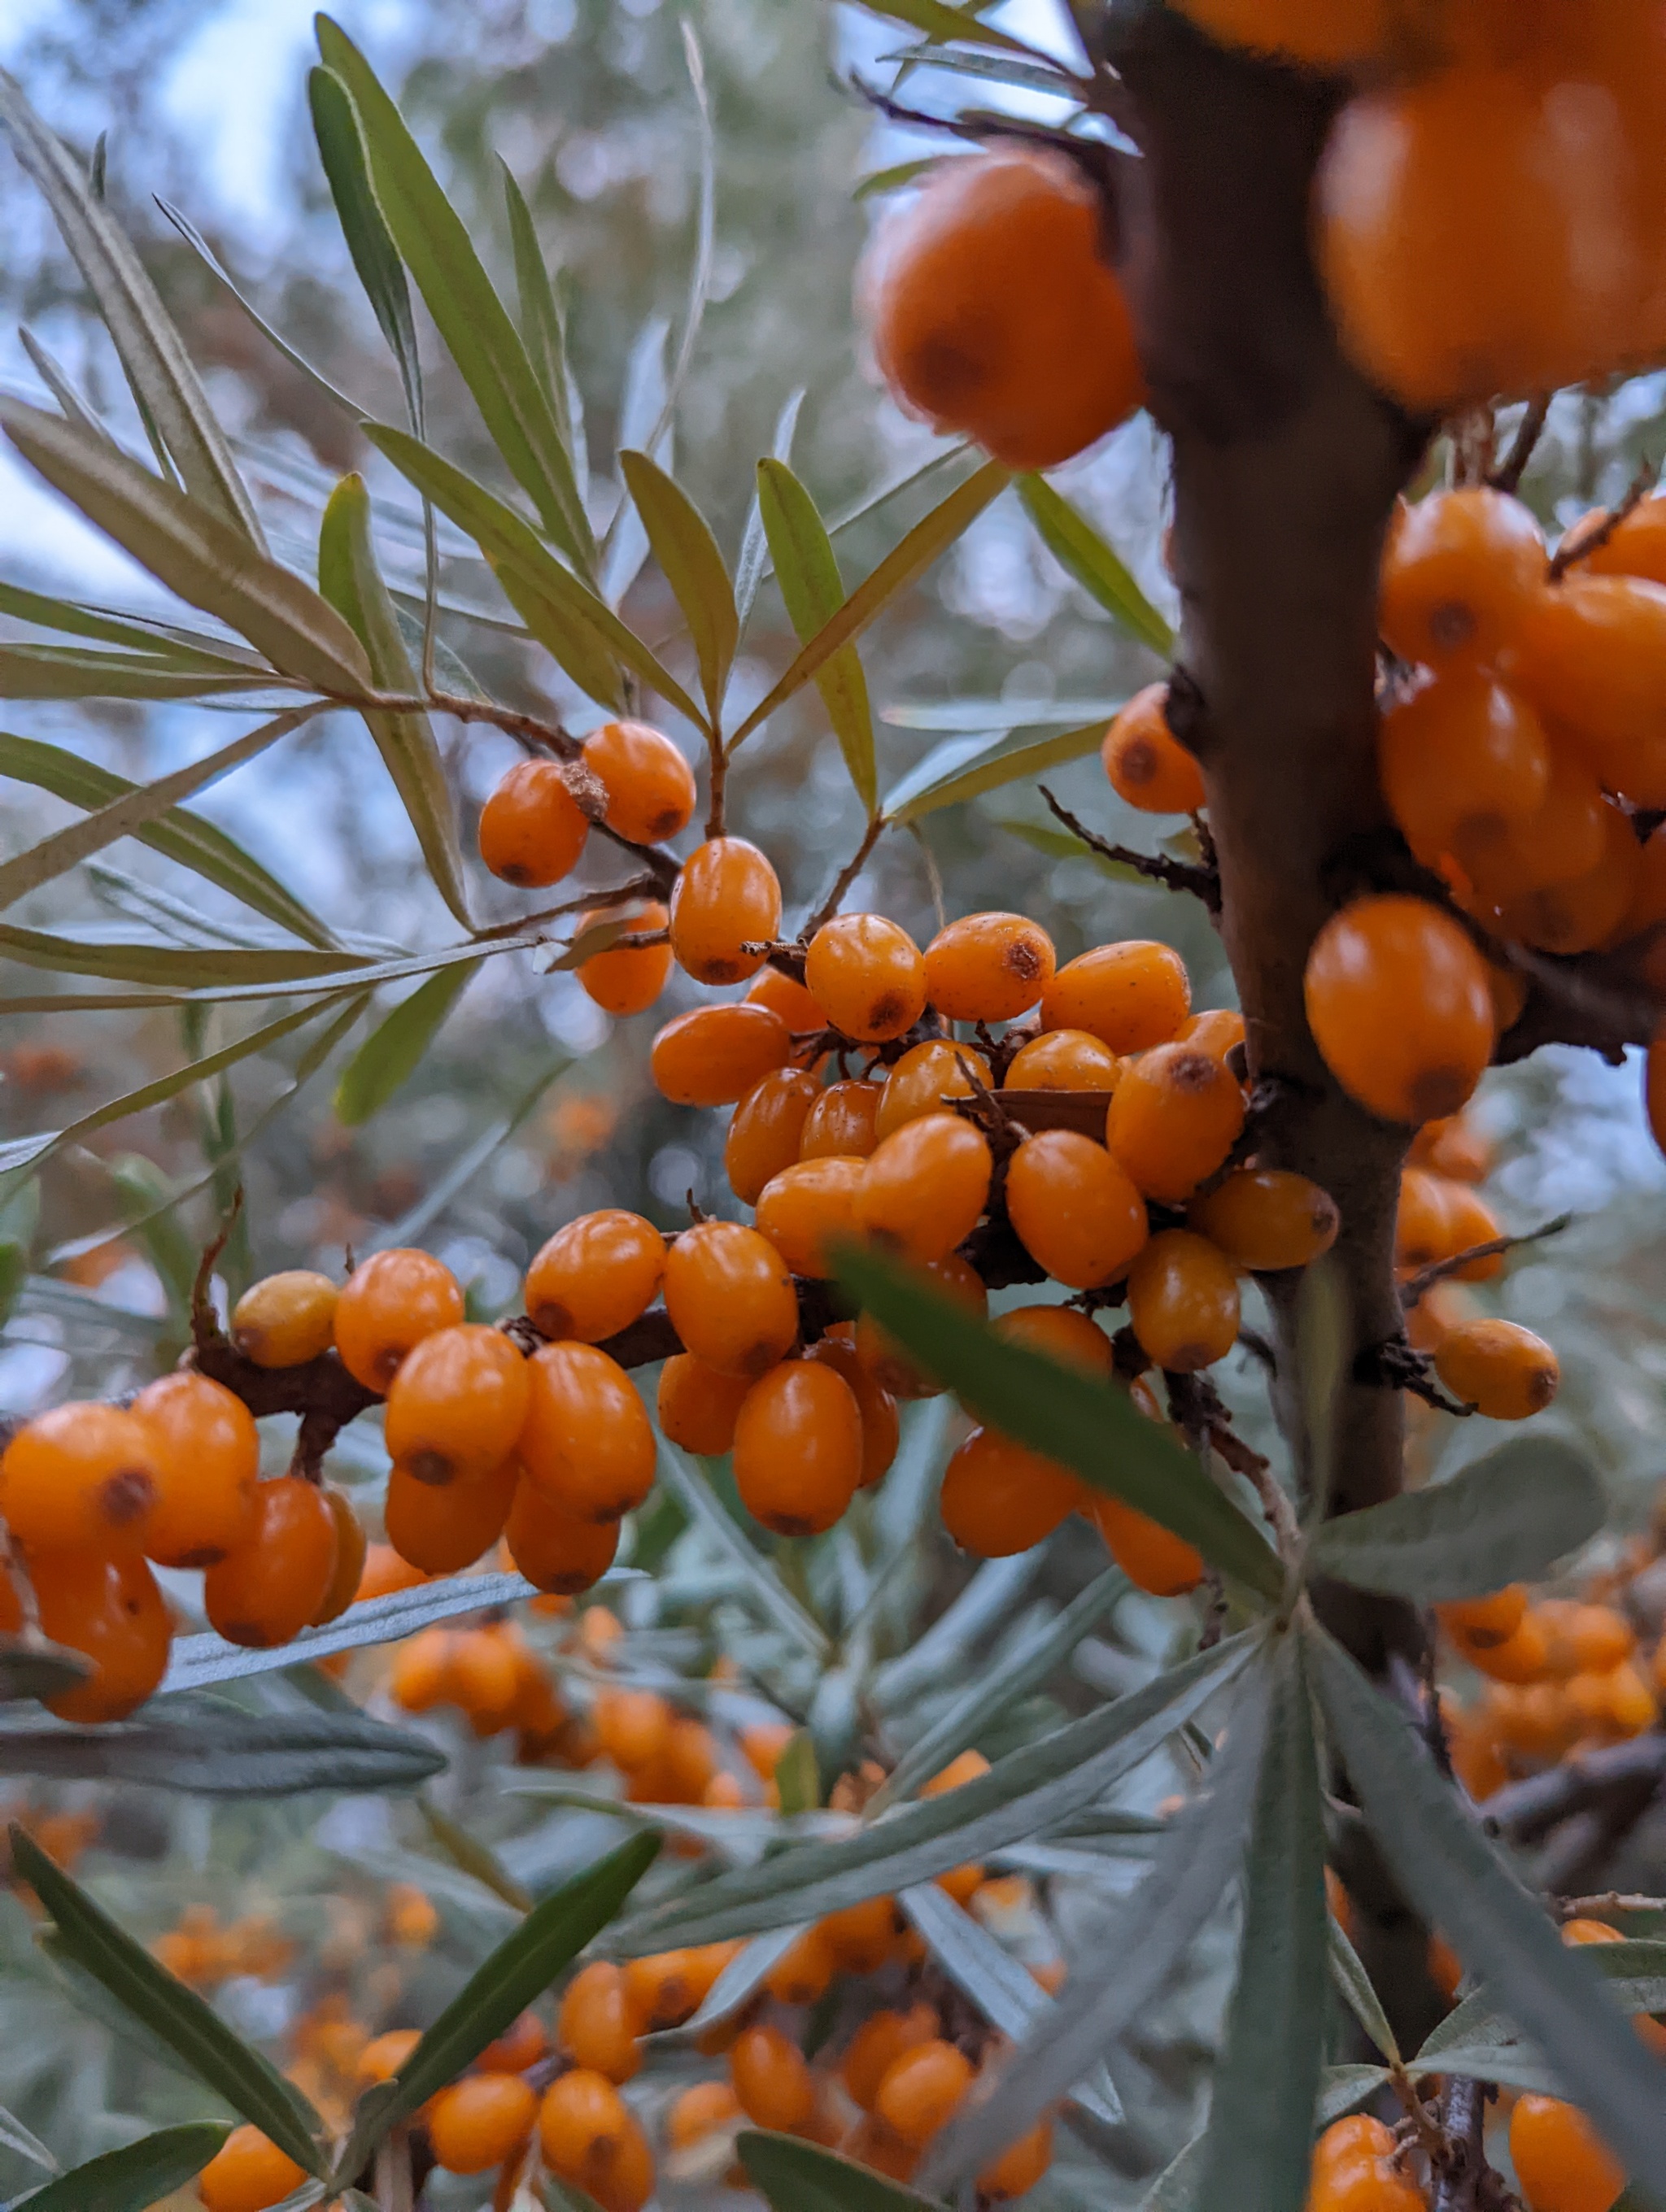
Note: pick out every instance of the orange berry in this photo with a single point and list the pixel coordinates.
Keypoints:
(481, 2121)
(82, 1476)
(999, 1498)
(1064, 1060)
(1060, 1332)
(784, 995)
(881, 1430)
(590, 2137)
(802, 1973)
(285, 1320)
(1146, 763)
(387, 1305)
(1073, 1208)
(1593, 1637)
(1267, 1218)
(925, 1187)
(586, 1445)
(1130, 996)
(923, 1077)
(1591, 655)
(660, 1991)
(864, 1935)
(1577, 1932)
(761, 1745)
(1461, 571)
(1500, 1367)
(628, 977)
(1450, 1148)
(1019, 2167)
(717, 1054)
(885, 1360)
(421, 1677)
(922, 2089)
(207, 1461)
(1353, 2170)
(731, 1298)
(1481, 1620)
(1523, 1655)
(444, 1528)
(700, 2110)
(1218, 1031)
(1323, 34)
(965, 1766)
(1580, 914)
(247, 2174)
(1151, 1557)
(1634, 547)
(273, 1585)
(867, 975)
(775, 2087)
(1176, 1114)
(633, 1726)
(1422, 1230)
(1561, 2163)
(553, 1550)
(877, 2044)
(697, 1405)
(1561, 841)
(351, 1547)
(456, 1405)
(1461, 760)
(727, 895)
(1397, 1000)
(111, 1611)
(595, 2026)
(765, 1134)
(841, 1124)
(798, 1448)
(595, 1276)
(989, 967)
(649, 785)
(531, 828)
(384, 1572)
(1184, 1302)
(809, 1208)
(1471, 1222)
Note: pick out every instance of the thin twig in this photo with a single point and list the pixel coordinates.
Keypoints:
(1396, 1365)
(1580, 544)
(846, 877)
(1507, 476)
(1607, 1900)
(1462, 2169)
(1424, 1279)
(1174, 875)
(204, 1324)
(639, 887)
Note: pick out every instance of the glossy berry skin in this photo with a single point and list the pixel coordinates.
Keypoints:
(771, 2080)
(1267, 1218)
(842, 1124)
(731, 1298)
(590, 2137)
(595, 2026)
(1074, 1210)
(1398, 1003)
(877, 2045)
(1152, 1558)
(1484, 1620)
(352, 1548)
(1353, 2170)
(1561, 841)
(922, 2089)
(586, 1445)
(1461, 759)
(1323, 34)
(389, 1303)
(787, 997)
(1064, 1060)
(554, 1551)
(1218, 1030)
(444, 1528)
(1184, 1302)
(1060, 1332)
(111, 1611)
(457, 1404)
(1504, 1369)
(999, 1498)
(881, 1431)
(925, 1186)
(633, 1727)
(82, 1476)
(531, 828)
(867, 976)
(649, 785)
(628, 977)
(285, 1320)
(1130, 996)
(989, 967)
(1019, 2167)
(717, 1054)
(272, 1587)
(697, 1405)
(1591, 655)
(1561, 2162)
(480, 2121)
(1177, 1114)
(798, 1448)
(884, 1358)
(1147, 765)
(1461, 571)
(595, 1276)
(808, 1209)
(727, 895)
(801, 1975)
(663, 1989)
(923, 1077)
(765, 1134)
(207, 1465)
(247, 2174)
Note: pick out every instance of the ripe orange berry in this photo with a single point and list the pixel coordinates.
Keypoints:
(842, 1123)
(1060, 1332)
(421, 1677)
(808, 1208)
(207, 1462)
(765, 1134)
(247, 2174)
(1151, 1557)
(1422, 1230)
(595, 2026)
(771, 2081)
(994, 314)
(881, 1431)
(998, 1498)
(649, 785)
(111, 1611)
(761, 1745)
(390, 1303)
(878, 2042)
(1469, 1222)
(731, 1298)
(384, 1572)
(1353, 2170)
(633, 1726)
(1130, 996)
(717, 1054)
(1184, 1302)
(1459, 761)
(1218, 1031)
(864, 1935)
(867, 975)
(1146, 763)
(590, 2137)
(1267, 1218)
(783, 995)
(446, 1527)
(1498, 1366)
(456, 1405)
(1561, 2163)
(1591, 655)
(1523, 1655)
(1483, 1620)
(923, 1077)
(798, 1448)
(661, 1990)
(892, 1367)
(1324, 33)
(1176, 1114)
(272, 1586)
(801, 1974)
(1073, 1208)
(595, 1276)
(628, 977)
(989, 967)
(351, 1547)
(1593, 1637)
(285, 1320)
(1398, 1003)
(531, 828)
(1461, 571)
(1019, 2167)
(1578, 915)
(481, 2121)
(1561, 841)
(924, 1189)
(1064, 1060)
(697, 1405)
(922, 2089)
(82, 1476)
(554, 1551)
(586, 1445)
(700, 2110)
(727, 895)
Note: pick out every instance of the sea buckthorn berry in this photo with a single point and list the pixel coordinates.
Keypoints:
(1359, 2176)
(1561, 841)
(247, 2174)
(1461, 759)
(1561, 2161)
(765, 1134)
(595, 2026)
(207, 1463)
(1130, 996)
(1152, 1558)
(649, 785)
(842, 1124)
(784, 995)
(457, 1404)
(384, 2055)
(1323, 34)
(595, 1276)
(1578, 913)
(1398, 1003)
(1146, 763)
(1060, 1332)
(798, 1448)
(761, 1745)
(421, 1677)
(1593, 1637)
(998, 1498)
(801, 1974)
(628, 977)
(1184, 1302)
(727, 895)
(807, 1209)
(877, 2044)
(271, 1586)
(989, 967)
(389, 1304)
(1267, 1218)
(867, 975)
(351, 1547)
(1176, 1114)
(881, 1431)
(925, 1187)
(584, 2129)
(1481, 1620)
(1577, 1932)
(662, 1990)
(717, 1054)
(1591, 655)
(531, 828)
(1500, 1367)
(111, 1611)
(1074, 1209)
(922, 2090)
(1019, 2167)
(554, 1551)
(1452, 1147)
(1461, 571)
(444, 1528)
(731, 1298)
(285, 1320)
(925, 1076)
(994, 314)
(82, 1476)
(697, 1405)
(1635, 546)
(1218, 1031)
(864, 1935)
(481, 2121)
(1471, 1222)
(586, 1445)
(965, 1766)
(1422, 1227)
(700, 2110)
(1064, 1060)
(1523, 1655)
(772, 2081)
(633, 1726)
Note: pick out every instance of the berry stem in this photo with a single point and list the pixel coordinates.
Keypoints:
(1202, 883)
(1415, 1287)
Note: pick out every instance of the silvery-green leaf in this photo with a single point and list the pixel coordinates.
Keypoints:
(1080, 549)
(30, 1666)
(136, 2178)
(219, 1751)
(963, 767)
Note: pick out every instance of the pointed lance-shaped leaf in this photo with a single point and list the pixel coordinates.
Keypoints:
(807, 573)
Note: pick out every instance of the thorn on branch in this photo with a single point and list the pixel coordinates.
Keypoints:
(1580, 544)
(1203, 883)
(1395, 1364)
(1415, 1287)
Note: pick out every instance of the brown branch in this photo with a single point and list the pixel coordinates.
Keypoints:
(639, 887)
(1415, 1287)
(1507, 476)
(1397, 1364)
(1174, 875)
(1578, 544)
(847, 876)
(1525, 1811)
(1461, 2169)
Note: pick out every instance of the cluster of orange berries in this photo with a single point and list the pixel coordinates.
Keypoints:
(1560, 2164)
(201, 1951)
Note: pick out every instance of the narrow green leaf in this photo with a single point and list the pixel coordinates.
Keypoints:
(208, 1749)
(1343, 2090)
(1080, 552)
(51, 671)
(807, 572)
(938, 22)
(796, 1776)
(1506, 1517)
(1635, 1972)
(181, 648)
(1046, 77)
(208, 562)
(795, 2176)
(1091, 1426)
(682, 545)
(877, 182)
(964, 768)
(754, 546)
(136, 2178)
(1347, 1971)
(35, 1668)
(173, 2015)
(391, 1054)
(209, 976)
(375, 257)
(57, 381)
(467, 1852)
(545, 336)
(352, 583)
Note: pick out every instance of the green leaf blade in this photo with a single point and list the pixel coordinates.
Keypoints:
(374, 256)
(390, 1055)
(1083, 554)
(794, 2176)
(136, 2178)
(681, 541)
(807, 573)
(965, 768)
